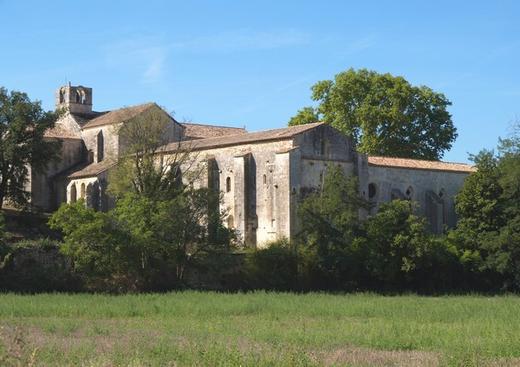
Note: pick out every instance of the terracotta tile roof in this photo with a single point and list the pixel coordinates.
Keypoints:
(58, 131)
(420, 164)
(202, 131)
(92, 169)
(117, 116)
(244, 138)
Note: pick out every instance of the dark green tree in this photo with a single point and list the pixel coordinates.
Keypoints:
(488, 206)
(22, 144)
(384, 114)
(401, 254)
(330, 225)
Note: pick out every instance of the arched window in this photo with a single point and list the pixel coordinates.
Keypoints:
(62, 95)
(82, 192)
(73, 193)
(442, 194)
(78, 97)
(95, 196)
(372, 190)
(409, 193)
(230, 222)
(228, 184)
(88, 197)
(100, 146)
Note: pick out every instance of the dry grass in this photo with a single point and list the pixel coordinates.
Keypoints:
(185, 329)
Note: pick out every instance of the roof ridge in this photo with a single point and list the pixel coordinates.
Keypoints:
(419, 159)
(221, 126)
(243, 138)
(306, 126)
(99, 120)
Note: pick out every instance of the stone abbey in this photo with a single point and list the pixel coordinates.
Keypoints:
(262, 175)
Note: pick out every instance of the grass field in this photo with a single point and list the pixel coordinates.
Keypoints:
(258, 329)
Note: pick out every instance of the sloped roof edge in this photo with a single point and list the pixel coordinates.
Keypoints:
(409, 163)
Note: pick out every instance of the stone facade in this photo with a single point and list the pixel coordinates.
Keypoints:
(262, 175)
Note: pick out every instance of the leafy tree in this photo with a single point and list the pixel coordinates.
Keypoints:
(397, 246)
(140, 169)
(175, 232)
(22, 126)
(98, 248)
(163, 222)
(488, 207)
(384, 114)
(141, 243)
(330, 225)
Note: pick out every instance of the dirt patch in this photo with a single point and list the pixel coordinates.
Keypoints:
(371, 357)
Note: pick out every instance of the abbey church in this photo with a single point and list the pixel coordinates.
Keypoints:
(262, 175)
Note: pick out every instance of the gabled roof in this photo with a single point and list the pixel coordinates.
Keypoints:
(202, 131)
(243, 138)
(59, 132)
(118, 116)
(92, 169)
(420, 164)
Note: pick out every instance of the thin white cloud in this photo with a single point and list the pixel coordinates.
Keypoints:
(243, 39)
(146, 57)
(155, 69)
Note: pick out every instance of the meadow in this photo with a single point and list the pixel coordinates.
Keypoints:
(258, 329)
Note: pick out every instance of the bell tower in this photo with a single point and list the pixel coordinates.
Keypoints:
(77, 99)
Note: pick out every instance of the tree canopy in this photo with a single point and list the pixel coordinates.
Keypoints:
(22, 126)
(384, 114)
(488, 206)
(138, 169)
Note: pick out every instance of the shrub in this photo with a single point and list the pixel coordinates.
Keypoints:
(274, 267)
(36, 266)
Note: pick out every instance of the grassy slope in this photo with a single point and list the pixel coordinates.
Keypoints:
(260, 329)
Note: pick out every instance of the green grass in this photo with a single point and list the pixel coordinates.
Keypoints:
(256, 329)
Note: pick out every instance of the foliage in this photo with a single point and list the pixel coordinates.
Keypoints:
(95, 243)
(22, 145)
(35, 266)
(142, 243)
(488, 205)
(274, 267)
(384, 114)
(330, 225)
(139, 170)
(400, 253)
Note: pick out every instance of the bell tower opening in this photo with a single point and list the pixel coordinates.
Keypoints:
(76, 99)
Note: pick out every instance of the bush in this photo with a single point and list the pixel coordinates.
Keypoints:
(272, 268)
(36, 266)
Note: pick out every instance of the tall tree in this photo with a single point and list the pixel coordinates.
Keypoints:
(488, 206)
(330, 225)
(22, 145)
(140, 169)
(384, 114)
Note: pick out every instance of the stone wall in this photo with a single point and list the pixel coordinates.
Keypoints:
(433, 190)
(102, 142)
(93, 190)
(263, 182)
(46, 192)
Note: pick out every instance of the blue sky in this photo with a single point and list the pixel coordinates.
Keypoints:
(251, 63)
